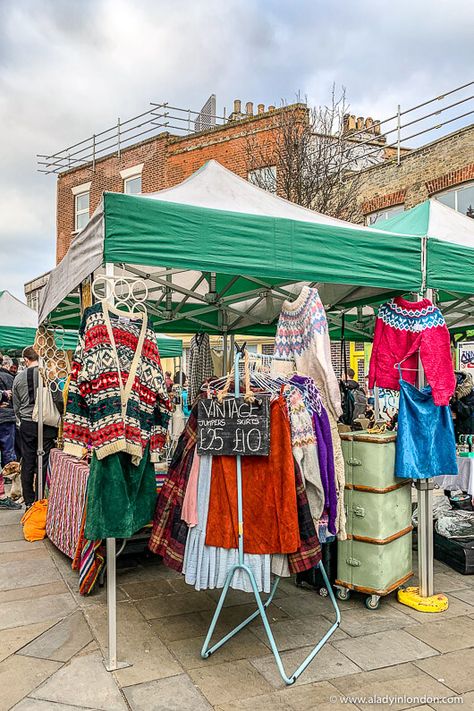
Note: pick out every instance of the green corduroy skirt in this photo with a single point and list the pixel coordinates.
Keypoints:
(121, 497)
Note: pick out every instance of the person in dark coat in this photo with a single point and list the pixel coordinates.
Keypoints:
(7, 418)
(463, 404)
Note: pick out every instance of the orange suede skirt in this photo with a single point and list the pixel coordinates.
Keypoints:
(269, 495)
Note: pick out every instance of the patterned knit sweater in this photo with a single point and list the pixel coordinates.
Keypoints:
(117, 398)
(404, 328)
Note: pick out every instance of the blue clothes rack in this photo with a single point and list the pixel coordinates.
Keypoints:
(261, 606)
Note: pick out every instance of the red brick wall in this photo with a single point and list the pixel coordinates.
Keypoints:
(167, 161)
(455, 177)
(383, 201)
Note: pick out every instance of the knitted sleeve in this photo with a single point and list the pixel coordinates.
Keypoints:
(76, 432)
(435, 352)
(373, 358)
(161, 412)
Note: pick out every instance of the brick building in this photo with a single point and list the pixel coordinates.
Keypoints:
(443, 169)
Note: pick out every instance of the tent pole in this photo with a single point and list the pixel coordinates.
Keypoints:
(224, 349)
(40, 450)
(425, 516)
(111, 663)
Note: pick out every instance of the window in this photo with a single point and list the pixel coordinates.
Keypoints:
(133, 185)
(265, 178)
(81, 205)
(460, 199)
(384, 214)
(132, 179)
(81, 211)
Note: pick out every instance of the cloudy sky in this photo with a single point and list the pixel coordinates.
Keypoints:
(68, 68)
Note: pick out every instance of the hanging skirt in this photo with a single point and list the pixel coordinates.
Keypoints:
(426, 444)
(121, 497)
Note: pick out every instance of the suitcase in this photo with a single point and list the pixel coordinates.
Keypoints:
(459, 555)
(313, 577)
(376, 558)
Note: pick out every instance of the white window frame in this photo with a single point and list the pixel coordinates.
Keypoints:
(455, 189)
(386, 211)
(135, 171)
(128, 180)
(78, 191)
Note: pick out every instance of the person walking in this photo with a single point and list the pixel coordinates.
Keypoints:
(25, 387)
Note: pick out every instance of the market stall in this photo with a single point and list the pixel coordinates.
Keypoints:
(217, 255)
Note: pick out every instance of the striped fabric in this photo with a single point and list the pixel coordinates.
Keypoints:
(67, 494)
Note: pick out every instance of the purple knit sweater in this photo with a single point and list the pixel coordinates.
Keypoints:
(322, 430)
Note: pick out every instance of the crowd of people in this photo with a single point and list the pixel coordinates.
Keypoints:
(18, 430)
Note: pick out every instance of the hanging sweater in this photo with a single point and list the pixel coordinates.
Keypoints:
(404, 328)
(117, 399)
(200, 364)
(303, 334)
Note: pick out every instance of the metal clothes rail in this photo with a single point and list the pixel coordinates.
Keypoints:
(261, 606)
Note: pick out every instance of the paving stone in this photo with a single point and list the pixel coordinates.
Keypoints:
(168, 605)
(465, 595)
(242, 646)
(456, 609)
(97, 597)
(11, 532)
(328, 663)
(454, 669)
(14, 639)
(402, 680)
(310, 603)
(360, 621)
(10, 546)
(464, 701)
(19, 676)
(226, 682)
(139, 591)
(137, 644)
(384, 649)
(446, 635)
(27, 612)
(322, 696)
(175, 693)
(62, 641)
(40, 705)
(239, 597)
(32, 554)
(85, 680)
(11, 517)
(23, 573)
(179, 627)
(33, 592)
(267, 702)
(291, 634)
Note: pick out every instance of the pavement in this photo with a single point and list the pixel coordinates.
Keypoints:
(52, 643)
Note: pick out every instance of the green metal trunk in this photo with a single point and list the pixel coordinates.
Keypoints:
(377, 557)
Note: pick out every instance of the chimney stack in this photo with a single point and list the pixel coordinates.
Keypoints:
(360, 123)
(237, 106)
(249, 108)
(271, 108)
(261, 108)
(377, 128)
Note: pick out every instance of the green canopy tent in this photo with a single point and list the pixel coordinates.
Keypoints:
(219, 254)
(448, 248)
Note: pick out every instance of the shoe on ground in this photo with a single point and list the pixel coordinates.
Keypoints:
(9, 505)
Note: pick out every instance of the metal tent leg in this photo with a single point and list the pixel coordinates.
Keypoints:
(425, 536)
(111, 663)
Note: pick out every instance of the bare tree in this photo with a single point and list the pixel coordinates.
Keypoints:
(309, 157)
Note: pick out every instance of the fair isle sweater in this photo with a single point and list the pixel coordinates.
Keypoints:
(117, 399)
(402, 330)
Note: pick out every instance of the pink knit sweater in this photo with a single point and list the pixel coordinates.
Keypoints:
(402, 329)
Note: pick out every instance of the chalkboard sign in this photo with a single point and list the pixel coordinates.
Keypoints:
(234, 426)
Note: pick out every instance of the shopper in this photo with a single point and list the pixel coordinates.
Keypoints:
(168, 381)
(353, 397)
(7, 417)
(25, 387)
(6, 503)
(14, 367)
